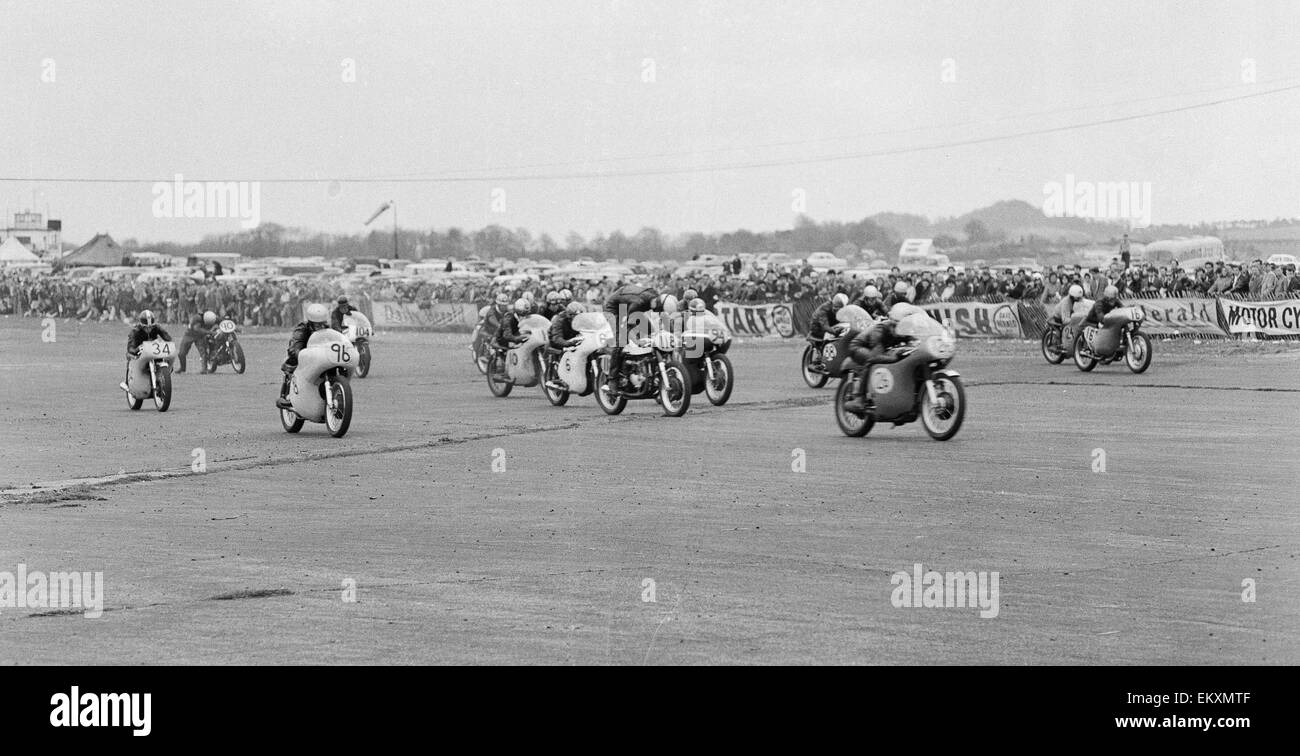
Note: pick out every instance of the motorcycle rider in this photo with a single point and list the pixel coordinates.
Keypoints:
(902, 293)
(1064, 315)
(872, 302)
(317, 320)
(340, 309)
(563, 335)
(872, 346)
(620, 306)
(1109, 301)
(554, 304)
(145, 329)
(508, 334)
(823, 320)
(196, 334)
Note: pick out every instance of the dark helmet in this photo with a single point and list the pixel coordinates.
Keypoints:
(147, 319)
(343, 299)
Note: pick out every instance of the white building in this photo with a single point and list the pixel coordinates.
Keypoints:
(40, 236)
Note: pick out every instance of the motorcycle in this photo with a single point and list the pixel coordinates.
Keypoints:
(149, 375)
(1118, 338)
(481, 342)
(832, 348)
(651, 371)
(357, 330)
(1055, 350)
(224, 348)
(918, 385)
(520, 365)
(705, 341)
(578, 367)
(319, 390)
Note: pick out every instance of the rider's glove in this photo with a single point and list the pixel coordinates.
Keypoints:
(573, 342)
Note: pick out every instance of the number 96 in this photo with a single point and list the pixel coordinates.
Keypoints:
(341, 353)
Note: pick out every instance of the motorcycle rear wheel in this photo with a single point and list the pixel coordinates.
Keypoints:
(290, 420)
(609, 404)
(557, 397)
(850, 424)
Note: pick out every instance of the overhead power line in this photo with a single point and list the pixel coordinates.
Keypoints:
(716, 168)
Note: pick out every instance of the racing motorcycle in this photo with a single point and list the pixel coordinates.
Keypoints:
(704, 344)
(1117, 339)
(918, 385)
(319, 389)
(576, 370)
(832, 348)
(1054, 349)
(149, 375)
(521, 365)
(224, 348)
(481, 342)
(651, 371)
(357, 330)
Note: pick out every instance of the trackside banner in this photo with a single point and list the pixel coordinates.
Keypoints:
(757, 320)
(452, 316)
(1280, 318)
(978, 320)
(1178, 316)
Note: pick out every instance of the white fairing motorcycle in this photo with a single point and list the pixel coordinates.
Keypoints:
(356, 327)
(149, 375)
(520, 365)
(578, 366)
(318, 389)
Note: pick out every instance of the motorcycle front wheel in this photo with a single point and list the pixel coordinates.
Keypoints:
(162, 392)
(1138, 358)
(812, 377)
(1053, 352)
(237, 358)
(338, 405)
(719, 389)
(675, 394)
(942, 418)
(363, 359)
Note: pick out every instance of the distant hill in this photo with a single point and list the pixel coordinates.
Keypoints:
(1011, 218)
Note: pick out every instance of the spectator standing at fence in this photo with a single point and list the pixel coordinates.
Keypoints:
(1124, 253)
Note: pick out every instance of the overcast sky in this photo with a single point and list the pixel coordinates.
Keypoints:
(676, 96)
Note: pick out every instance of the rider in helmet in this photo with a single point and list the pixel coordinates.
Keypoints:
(823, 320)
(566, 297)
(562, 334)
(145, 329)
(317, 320)
(554, 304)
(872, 302)
(620, 307)
(508, 334)
(336, 315)
(490, 316)
(197, 333)
(1064, 314)
(1109, 301)
(872, 347)
(902, 293)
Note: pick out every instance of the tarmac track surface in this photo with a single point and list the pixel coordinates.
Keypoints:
(551, 558)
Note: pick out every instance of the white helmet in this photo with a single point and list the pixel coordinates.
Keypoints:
(209, 318)
(871, 293)
(900, 287)
(902, 310)
(522, 305)
(1110, 292)
(840, 300)
(1076, 292)
(697, 305)
(317, 313)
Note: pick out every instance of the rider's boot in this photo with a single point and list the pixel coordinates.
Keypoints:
(283, 402)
